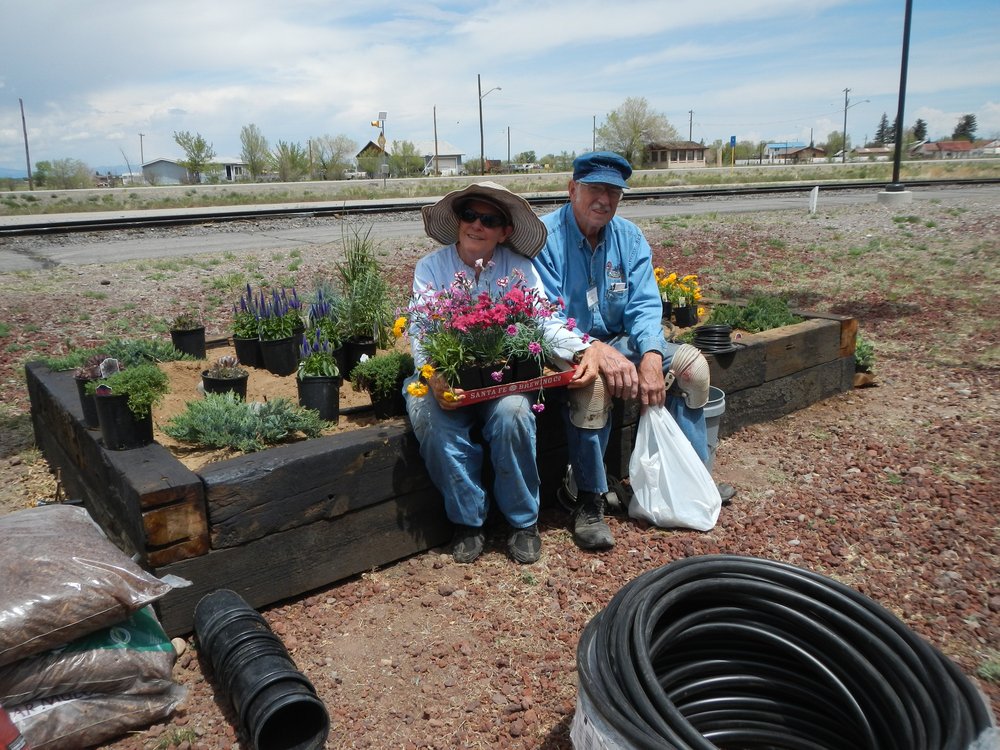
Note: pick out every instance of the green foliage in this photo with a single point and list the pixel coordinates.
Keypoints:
(222, 420)
(761, 313)
(383, 375)
(145, 385)
(364, 307)
(198, 153)
(864, 354)
(186, 321)
(990, 669)
(317, 358)
(227, 368)
(129, 352)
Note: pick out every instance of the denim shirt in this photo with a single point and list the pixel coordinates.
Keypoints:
(437, 271)
(620, 269)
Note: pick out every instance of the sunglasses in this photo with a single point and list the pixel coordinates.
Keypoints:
(490, 221)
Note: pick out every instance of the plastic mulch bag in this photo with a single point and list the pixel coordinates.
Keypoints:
(69, 722)
(134, 656)
(672, 488)
(60, 578)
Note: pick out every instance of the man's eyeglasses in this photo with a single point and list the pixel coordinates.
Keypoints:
(614, 193)
(490, 221)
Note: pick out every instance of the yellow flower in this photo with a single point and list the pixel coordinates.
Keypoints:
(450, 396)
(417, 389)
(701, 311)
(427, 372)
(399, 327)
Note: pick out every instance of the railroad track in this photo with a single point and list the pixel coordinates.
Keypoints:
(139, 219)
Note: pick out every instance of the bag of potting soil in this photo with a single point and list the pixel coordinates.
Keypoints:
(133, 656)
(61, 578)
(69, 722)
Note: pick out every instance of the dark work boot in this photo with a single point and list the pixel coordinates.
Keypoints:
(589, 529)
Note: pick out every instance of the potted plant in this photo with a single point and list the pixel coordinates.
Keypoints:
(474, 339)
(364, 308)
(187, 333)
(322, 318)
(864, 362)
(246, 330)
(226, 375)
(88, 372)
(382, 376)
(679, 295)
(318, 378)
(125, 401)
(279, 324)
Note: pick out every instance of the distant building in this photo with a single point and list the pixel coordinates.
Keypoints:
(986, 148)
(780, 152)
(675, 154)
(805, 155)
(448, 159)
(942, 149)
(171, 172)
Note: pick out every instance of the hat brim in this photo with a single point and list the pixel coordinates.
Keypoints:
(441, 221)
(605, 177)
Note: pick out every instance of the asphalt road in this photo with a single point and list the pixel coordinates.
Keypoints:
(48, 251)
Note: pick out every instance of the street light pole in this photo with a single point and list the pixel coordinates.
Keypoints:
(482, 147)
(142, 159)
(843, 151)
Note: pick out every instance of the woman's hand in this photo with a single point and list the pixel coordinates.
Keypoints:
(447, 397)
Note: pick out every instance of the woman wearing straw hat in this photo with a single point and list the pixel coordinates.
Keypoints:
(488, 233)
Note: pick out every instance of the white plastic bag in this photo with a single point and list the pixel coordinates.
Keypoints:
(671, 486)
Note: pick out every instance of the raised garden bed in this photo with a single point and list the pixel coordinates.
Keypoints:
(274, 524)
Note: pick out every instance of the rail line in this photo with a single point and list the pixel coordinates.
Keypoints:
(206, 215)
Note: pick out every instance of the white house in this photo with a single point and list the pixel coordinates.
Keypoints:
(448, 159)
(170, 172)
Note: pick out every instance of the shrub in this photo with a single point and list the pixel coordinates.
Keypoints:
(761, 313)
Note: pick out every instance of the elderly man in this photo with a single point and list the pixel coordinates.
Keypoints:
(601, 266)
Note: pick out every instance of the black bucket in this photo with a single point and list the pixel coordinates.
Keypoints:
(277, 705)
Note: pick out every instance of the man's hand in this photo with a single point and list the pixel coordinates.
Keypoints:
(447, 397)
(652, 390)
(620, 375)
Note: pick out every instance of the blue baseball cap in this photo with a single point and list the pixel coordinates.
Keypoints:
(602, 166)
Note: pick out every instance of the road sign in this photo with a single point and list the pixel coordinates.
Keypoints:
(381, 141)
(732, 141)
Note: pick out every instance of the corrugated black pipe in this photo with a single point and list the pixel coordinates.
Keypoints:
(724, 651)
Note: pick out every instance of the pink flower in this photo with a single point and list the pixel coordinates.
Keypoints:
(538, 408)
(585, 337)
(512, 330)
(571, 323)
(535, 348)
(497, 376)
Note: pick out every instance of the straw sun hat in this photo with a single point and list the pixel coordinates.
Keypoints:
(441, 221)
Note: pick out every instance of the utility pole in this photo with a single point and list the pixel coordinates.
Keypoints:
(27, 156)
(843, 151)
(142, 158)
(690, 122)
(593, 146)
(437, 164)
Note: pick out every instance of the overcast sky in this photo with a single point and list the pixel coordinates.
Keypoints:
(93, 75)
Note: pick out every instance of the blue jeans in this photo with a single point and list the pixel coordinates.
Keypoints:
(455, 461)
(587, 447)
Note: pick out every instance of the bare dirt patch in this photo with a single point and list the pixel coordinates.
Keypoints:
(890, 489)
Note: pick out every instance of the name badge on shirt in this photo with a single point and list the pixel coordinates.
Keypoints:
(592, 297)
(618, 288)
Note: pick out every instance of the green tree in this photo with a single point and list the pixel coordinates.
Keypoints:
(256, 153)
(632, 127)
(882, 133)
(965, 129)
(198, 154)
(69, 174)
(920, 130)
(41, 174)
(835, 143)
(404, 161)
(525, 157)
(561, 162)
(291, 161)
(332, 155)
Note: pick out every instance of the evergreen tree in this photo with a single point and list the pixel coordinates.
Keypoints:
(920, 130)
(965, 129)
(882, 133)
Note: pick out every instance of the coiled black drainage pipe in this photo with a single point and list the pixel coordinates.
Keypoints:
(722, 651)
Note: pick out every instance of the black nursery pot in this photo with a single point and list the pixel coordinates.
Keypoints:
(280, 356)
(225, 385)
(120, 428)
(190, 342)
(354, 349)
(322, 394)
(87, 403)
(248, 351)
